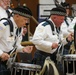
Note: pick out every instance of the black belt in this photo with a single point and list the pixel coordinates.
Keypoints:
(43, 53)
(46, 54)
(52, 56)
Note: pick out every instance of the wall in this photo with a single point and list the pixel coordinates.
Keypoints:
(49, 1)
(71, 2)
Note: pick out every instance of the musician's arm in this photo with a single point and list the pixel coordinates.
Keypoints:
(1, 52)
(2, 31)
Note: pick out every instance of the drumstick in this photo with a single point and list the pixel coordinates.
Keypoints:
(13, 54)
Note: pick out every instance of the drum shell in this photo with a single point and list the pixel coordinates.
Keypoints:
(69, 64)
(25, 68)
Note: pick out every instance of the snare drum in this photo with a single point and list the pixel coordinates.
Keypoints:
(69, 64)
(32, 68)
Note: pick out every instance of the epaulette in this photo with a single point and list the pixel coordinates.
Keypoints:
(48, 22)
(6, 23)
(45, 23)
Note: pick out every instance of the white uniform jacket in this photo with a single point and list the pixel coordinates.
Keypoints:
(65, 26)
(43, 37)
(72, 24)
(7, 41)
(3, 13)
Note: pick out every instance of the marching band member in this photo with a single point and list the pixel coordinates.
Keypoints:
(46, 40)
(65, 25)
(12, 40)
(72, 24)
(67, 20)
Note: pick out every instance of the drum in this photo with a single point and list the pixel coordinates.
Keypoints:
(23, 67)
(69, 64)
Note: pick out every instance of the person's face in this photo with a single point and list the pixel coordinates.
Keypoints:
(5, 4)
(67, 12)
(21, 21)
(58, 20)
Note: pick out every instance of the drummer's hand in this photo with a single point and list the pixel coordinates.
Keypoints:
(28, 49)
(70, 37)
(4, 57)
(54, 45)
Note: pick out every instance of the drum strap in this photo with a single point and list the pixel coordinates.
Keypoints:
(49, 68)
(57, 55)
(66, 21)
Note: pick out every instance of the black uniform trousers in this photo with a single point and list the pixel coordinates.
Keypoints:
(40, 56)
(3, 68)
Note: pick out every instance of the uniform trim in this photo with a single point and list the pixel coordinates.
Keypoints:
(45, 24)
(6, 23)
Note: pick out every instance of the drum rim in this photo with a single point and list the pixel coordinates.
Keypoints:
(69, 56)
(27, 65)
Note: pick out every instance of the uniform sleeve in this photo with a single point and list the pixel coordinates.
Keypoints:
(64, 29)
(71, 26)
(2, 29)
(19, 46)
(1, 52)
(39, 38)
